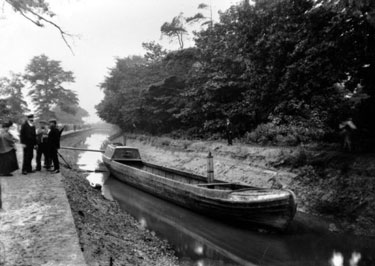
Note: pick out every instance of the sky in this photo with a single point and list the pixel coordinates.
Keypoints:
(104, 30)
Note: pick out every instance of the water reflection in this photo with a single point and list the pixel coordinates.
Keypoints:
(106, 190)
(95, 179)
(356, 257)
(142, 222)
(198, 249)
(91, 160)
(338, 259)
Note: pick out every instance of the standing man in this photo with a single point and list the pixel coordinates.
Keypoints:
(41, 140)
(347, 129)
(54, 145)
(28, 141)
(229, 131)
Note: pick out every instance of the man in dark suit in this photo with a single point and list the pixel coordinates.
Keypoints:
(28, 139)
(42, 142)
(54, 144)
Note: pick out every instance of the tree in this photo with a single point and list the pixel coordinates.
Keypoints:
(208, 20)
(68, 118)
(175, 29)
(4, 111)
(146, 92)
(123, 89)
(39, 13)
(178, 27)
(46, 78)
(11, 90)
(154, 52)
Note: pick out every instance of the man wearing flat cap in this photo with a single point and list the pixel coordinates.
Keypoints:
(28, 141)
(42, 143)
(54, 144)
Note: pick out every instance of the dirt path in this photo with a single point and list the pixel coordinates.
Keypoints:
(36, 224)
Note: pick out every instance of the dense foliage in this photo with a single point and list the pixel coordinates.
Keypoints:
(12, 104)
(70, 118)
(282, 71)
(144, 93)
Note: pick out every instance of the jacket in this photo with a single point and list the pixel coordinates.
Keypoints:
(7, 142)
(28, 134)
(54, 138)
(41, 136)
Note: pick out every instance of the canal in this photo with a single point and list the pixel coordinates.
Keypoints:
(198, 240)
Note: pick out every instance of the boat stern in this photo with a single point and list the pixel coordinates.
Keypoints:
(121, 153)
(273, 208)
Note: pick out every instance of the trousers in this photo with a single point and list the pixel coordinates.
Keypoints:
(28, 154)
(54, 158)
(42, 150)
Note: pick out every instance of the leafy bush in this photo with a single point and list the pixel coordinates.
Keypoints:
(164, 141)
(143, 138)
(185, 143)
(291, 135)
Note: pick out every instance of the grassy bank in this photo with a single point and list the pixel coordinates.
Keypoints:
(337, 186)
(107, 235)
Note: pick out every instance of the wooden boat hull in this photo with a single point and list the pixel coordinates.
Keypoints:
(265, 208)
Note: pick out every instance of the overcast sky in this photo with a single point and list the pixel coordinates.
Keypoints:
(107, 29)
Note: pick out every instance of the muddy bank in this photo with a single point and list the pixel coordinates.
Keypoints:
(107, 235)
(338, 188)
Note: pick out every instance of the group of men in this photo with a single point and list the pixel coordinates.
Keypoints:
(45, 139)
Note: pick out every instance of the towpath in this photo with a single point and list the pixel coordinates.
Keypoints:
(36, 223)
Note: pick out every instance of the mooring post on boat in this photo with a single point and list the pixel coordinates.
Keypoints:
(124, 139)
(210, 168)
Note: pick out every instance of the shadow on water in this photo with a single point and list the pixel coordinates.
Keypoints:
(199, 240)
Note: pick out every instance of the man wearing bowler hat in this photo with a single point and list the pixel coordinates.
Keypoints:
(54, 144)
(28, 141)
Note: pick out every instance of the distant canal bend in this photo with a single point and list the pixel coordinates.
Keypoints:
(198, 240)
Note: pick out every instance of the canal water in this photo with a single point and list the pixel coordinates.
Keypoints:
(199, 240)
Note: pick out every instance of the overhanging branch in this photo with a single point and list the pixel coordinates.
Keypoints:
(62, 32)
(25, 9)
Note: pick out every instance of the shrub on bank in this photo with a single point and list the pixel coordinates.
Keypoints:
(270, 133)
(289, 135)
(164, 141)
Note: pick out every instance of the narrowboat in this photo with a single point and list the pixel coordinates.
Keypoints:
(225, 201)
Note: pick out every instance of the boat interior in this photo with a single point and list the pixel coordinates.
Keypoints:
(185, 177)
